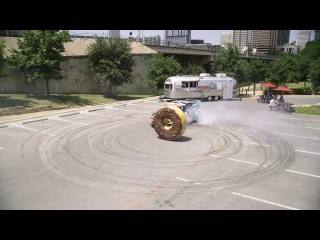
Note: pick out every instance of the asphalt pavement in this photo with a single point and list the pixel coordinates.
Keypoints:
(240, 155)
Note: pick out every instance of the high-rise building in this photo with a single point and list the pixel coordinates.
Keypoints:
(177, 37)
(252, 38)
(245, 38)
(303, 36)
(284, 36)
(226, 37)
(267, 40)
(11, 33)
(155, 40)
(316, 34)
(240, 38)
(114, 33)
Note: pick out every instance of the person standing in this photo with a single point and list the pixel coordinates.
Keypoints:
(272, 104)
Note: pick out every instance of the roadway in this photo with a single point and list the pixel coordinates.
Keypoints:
(239, 156)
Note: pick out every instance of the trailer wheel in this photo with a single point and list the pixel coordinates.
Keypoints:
(170, 122)
(216, 98)
(209, 98)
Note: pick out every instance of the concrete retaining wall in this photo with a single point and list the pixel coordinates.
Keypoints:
(77, 78)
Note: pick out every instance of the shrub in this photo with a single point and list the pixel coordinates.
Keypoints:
(160, 92)
(302, 91)
(317, 90)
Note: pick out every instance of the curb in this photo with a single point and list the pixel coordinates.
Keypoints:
(20, 117)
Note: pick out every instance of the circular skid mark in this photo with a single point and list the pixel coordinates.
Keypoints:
(118, 156)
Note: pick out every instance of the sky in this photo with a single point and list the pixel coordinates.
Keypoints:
(209, 36)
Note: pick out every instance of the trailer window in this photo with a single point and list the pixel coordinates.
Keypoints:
(184, 85)
(168, 86)
(193, 84)
(189, 84)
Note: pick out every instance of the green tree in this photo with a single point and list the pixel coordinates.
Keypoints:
(314, 73)
(274, 52)
(241, 72)
(159, 69)
(307, 58)
(2, 58)
(311, 50)
(227, 60)
(303, 63)
(284, 70)
(111, 61)
(39, 54)
(257, 72)
(193, 69)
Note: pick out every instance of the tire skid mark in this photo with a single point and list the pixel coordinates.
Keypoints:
(84, 155)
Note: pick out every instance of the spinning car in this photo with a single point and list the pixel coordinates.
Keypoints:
(191, 108)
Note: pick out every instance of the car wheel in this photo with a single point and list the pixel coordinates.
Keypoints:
(216, 98)
(209, 98)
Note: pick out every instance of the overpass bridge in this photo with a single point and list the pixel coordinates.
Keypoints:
(200, 56)
(185, 55)
(261, 57)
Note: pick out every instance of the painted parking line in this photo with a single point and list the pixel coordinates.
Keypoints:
(130, 110)
(265, 145)
(265, 201)
(1, 148)
(64, 120)
(241, 195)
(306, 120)
(252, 143)
(307, 174)
(307, 152)
(199, 183)
(296, 136)
(183, 179)
(287, 170)
(101, 115)
(295, 126)
(237, 160)
(33, 129)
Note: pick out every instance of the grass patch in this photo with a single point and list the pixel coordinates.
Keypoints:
(62, 100)
(14, 100)
(123, 97)
(312, 110)
(289, 85)
(298, 85)
(244, 95)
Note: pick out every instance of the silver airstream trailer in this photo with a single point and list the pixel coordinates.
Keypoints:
(203, 86)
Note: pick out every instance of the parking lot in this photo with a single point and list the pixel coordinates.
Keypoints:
(239, 155)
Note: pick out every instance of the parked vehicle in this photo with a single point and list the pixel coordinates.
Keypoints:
(204, 87)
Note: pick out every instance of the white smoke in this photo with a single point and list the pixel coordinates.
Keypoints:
(249, 113)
